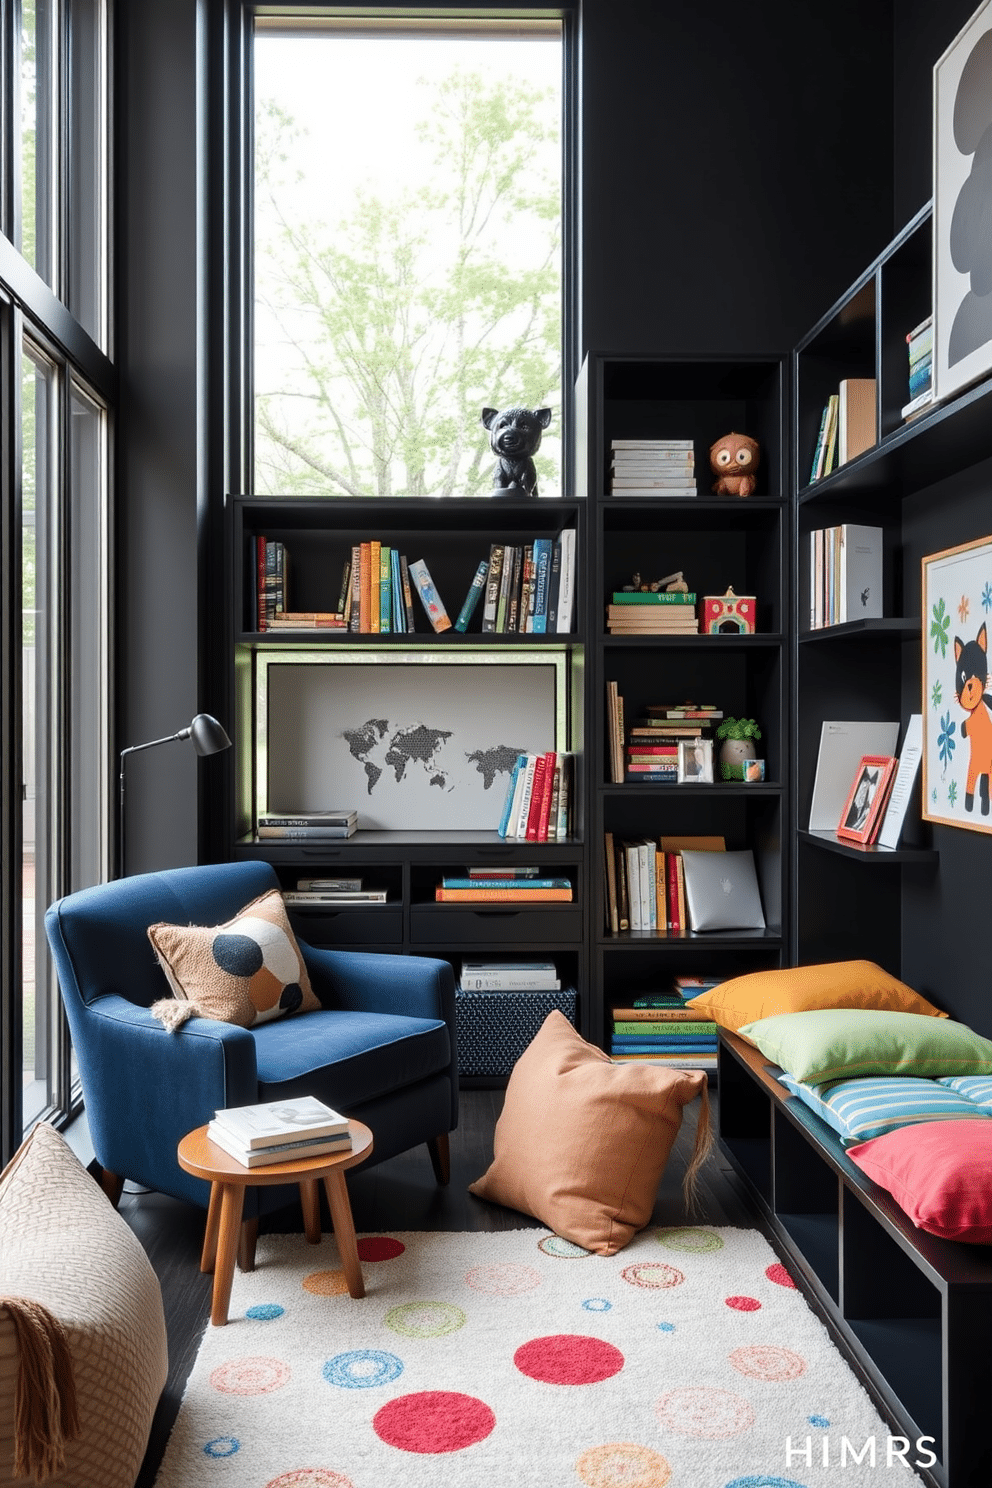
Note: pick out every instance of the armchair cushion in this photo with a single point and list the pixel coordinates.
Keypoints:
(348, 1058)
(247, 971)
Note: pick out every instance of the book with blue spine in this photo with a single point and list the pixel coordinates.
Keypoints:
(399, 613)
(503, 883)
(542, 578)
(504, 820)
(473, 596)
(385, 589)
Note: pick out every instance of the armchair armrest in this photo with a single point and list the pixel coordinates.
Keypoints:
(417, 986)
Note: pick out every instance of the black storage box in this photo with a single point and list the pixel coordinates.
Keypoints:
(494, 1028)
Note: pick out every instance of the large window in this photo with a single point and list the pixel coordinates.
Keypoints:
(407, 250)
(55, 494)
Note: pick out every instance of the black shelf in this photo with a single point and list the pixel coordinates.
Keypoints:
(898, 627)
(830, 842)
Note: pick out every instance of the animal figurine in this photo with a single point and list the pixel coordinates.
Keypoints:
(970, 680)
(733, 460)
(515, 437)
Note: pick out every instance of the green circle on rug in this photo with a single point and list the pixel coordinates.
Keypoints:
(425, 1319)
(693, 1241)
(562, 1250)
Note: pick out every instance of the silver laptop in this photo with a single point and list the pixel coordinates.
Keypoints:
(721, 890)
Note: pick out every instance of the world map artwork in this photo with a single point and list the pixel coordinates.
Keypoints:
(404, 749)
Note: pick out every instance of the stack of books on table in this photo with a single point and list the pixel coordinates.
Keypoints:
(651, 751)
(652, 467)
(509, 976)
(920, 344)
(332, 891)
(662, 1030)
(539, 798)
(637, 613)
(303, 825)
(509, 886)
(276, 1131)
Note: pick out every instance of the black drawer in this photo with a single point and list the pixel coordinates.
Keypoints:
(521, 923)
(351, 926)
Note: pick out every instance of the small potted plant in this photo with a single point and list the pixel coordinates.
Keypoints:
(738, 736)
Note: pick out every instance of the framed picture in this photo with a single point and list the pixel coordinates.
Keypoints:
(416, 741)
(957, 707)
(861, 816)
(962, 202)
(695, 761)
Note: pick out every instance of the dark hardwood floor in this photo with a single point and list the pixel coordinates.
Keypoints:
(400, 1194)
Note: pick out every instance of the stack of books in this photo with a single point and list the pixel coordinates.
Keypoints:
(652, 467)
(645, 882)
(267, 590)
(276, 1131)
(920, 344)
(509, 976)
(508, 886)
(304, 825)
(651, 750)
(662, 1029)
(636, 613)
(845, 574)
(539, 798)
(333, 891)
(528, 588)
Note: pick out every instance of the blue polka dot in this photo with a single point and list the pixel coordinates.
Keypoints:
(222, 1446)
(238, 955)
(666, 1327)
(818, 1421)
(362, 1369)
(264, 1311)
(597, 1304)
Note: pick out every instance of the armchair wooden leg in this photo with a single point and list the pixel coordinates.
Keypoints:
(440, 1152)
(112, 1185)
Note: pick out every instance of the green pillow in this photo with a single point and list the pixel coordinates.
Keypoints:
(839, 1043)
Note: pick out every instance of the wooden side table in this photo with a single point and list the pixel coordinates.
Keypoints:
(228, 1180)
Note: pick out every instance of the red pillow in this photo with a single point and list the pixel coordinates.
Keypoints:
(939, 1172)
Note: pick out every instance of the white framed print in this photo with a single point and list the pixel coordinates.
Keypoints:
(962, 207)
(957, 705)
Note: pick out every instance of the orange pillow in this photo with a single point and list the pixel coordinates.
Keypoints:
(805, 989)
(581, 1142)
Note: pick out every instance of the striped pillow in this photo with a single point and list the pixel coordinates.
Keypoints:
(976, 1088)
(875, 1104)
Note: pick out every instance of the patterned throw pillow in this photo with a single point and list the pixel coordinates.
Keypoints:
(861, 1109)
(247, 971)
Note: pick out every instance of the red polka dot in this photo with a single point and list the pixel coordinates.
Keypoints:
(778, 1274)
(743, 1304)
(568, 1359)
(379, 1248)
(433, 1421)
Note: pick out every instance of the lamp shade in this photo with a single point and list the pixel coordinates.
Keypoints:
(208, 736)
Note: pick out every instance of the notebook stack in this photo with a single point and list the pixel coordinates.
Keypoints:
(647, 613)
(277, 1131)
(661, 1029)
(652, 467)
(302, 825)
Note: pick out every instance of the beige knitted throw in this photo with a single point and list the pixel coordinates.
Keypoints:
(45, 1414)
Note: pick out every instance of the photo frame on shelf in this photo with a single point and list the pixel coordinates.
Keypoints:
(869, 792)
(962, 201)
(695, 762)
(957, 708)
(416, 741)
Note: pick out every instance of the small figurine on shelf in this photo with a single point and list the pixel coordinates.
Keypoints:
(733, 460)
(729, 614)
(515, 437)
(737, 747)
(672, 583)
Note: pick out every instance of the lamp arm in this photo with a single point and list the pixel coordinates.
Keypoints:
(133, 749)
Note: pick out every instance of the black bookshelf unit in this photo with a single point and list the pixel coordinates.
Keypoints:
(452, 537)
(717, 541)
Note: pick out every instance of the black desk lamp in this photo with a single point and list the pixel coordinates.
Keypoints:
(208, 738)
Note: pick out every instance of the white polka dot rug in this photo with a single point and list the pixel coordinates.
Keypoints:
(499, 1360)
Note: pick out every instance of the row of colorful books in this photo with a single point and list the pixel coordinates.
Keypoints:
(307, 824)
(529, 588)
(848, 425)
(652, 467)
(636, 613)
(539, 798)
(919, 343)
(512, 886)
(845, 574)
(645, 882)
(662, 1028)
(275, 1131)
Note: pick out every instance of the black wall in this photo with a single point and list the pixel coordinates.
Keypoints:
(736, 175)
(944, 912)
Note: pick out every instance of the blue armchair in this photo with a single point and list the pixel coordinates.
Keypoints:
(381, 1049)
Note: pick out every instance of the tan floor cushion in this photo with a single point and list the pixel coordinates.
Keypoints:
(64, 1246)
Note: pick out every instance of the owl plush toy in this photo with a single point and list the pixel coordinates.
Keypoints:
(733, 460)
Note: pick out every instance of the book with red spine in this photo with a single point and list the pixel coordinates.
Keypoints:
(672, 882)
(536, 797)
(547, 791)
